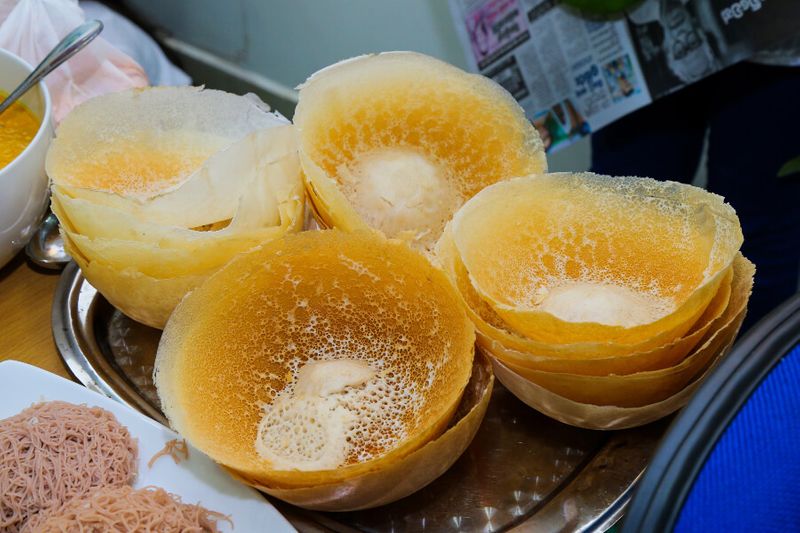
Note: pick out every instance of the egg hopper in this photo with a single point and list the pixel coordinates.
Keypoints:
(290, 305)
(578, 258)
(395, 141)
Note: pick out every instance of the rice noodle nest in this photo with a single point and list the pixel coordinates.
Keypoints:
(125, 509)
(55, 451)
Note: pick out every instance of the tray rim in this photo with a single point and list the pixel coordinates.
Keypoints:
(68, 338)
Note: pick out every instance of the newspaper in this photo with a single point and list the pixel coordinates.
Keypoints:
(573, 75)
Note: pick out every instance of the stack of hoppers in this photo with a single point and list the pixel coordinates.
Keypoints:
(332, 370)
(601, 301)
(157, 188)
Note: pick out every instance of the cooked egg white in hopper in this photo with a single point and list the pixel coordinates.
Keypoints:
(398, 141)
(599, 358)
(316, 358)
(574, 258)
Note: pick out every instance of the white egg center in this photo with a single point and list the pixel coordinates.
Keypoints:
(400, 190)
(603, 303)
(307, 426)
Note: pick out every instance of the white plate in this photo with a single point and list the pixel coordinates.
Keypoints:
(196, 480)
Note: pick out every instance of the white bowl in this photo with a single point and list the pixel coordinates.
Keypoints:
(23, 182)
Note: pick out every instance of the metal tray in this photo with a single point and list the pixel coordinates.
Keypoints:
(522, 472)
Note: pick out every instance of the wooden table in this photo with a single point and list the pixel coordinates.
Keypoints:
(26, 299)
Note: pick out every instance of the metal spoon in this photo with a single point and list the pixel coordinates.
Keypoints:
(68, 47)
(46, 248)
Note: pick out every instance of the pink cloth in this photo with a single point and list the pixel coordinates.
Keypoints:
(32, 28)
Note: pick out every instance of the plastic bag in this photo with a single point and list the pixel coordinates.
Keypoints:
(33, 27)
(130, 39)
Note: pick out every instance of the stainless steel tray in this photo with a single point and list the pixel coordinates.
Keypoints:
(522, 472)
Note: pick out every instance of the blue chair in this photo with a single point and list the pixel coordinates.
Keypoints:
(730, 461)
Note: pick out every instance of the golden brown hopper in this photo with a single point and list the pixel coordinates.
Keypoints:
(581, 258)
(580, 358)
(155, 189)
(648, 395)
(397, 141)
(316, 358)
